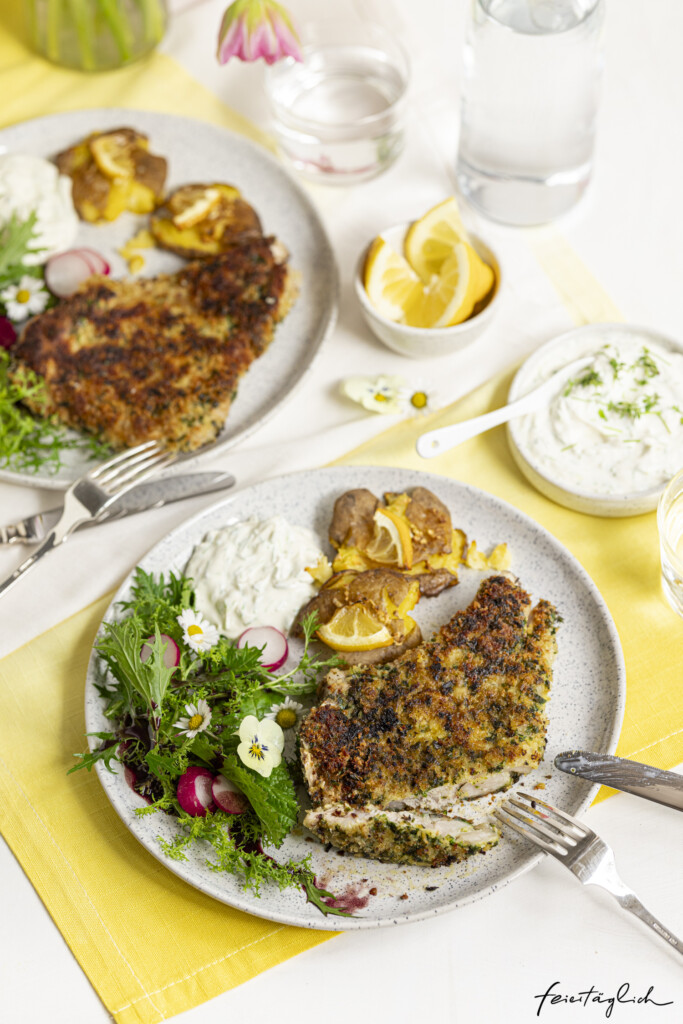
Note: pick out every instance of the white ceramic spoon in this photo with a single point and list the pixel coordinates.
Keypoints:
(436, 442)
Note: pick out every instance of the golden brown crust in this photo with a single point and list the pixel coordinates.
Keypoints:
(467, 702)
(158, 358)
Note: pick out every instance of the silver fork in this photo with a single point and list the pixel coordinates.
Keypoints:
(90, 496)
(578, 848)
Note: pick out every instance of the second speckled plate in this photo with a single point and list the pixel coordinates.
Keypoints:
(585, 710)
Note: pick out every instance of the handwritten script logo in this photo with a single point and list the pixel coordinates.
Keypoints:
(551, 997)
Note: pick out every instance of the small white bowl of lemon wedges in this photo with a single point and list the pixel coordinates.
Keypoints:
(428, 288)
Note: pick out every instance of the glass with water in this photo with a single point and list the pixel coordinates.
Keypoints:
(339, 115)
(531, 83)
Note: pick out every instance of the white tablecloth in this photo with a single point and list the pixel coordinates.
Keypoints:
(489, 961)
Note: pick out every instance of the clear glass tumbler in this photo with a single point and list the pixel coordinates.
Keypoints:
(670, 524)
(531, 86)
(339, 116)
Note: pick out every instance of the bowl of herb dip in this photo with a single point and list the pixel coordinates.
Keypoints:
(611, 437)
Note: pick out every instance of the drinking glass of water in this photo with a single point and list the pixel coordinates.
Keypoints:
(339, 116)
(531, 84)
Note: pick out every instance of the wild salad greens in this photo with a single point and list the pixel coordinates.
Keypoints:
(27, 443)
(148, 703)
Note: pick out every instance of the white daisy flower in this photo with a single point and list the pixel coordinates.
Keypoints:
(198, 633)
(261, 744)
(25, 299)
(198, 718)
(419, 397)
(377, 394)
(288, 716)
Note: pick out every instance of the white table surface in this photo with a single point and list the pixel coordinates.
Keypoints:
(488, 961)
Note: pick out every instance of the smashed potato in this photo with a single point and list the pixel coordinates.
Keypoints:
(203, 220)
(111, 172)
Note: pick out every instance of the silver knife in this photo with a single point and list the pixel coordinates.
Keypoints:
(629, 776)
(139, 499)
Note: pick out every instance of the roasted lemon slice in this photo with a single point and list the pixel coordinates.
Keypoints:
(355, 628)
(451, 296)
(196, 208)
(432, 238)
(391, 543)
(112, 155)
(389, 281)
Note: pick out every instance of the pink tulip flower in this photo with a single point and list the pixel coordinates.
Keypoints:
(257, 28)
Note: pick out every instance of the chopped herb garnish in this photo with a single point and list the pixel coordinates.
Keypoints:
(587, 379)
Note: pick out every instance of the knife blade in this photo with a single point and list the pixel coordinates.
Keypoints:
(629, 776)
(141, 498)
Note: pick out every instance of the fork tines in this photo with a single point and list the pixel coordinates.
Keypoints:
(130, 465)
(548, 827)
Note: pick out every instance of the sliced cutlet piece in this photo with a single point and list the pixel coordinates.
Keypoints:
(400, 837)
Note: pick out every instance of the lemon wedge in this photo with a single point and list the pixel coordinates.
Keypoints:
(391, 542)
(431, 239)
(451, 296)
(111, 153)
(389, 281)
(354, 628)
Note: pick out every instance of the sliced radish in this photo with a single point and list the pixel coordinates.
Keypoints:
(273, 642)
(94, 259)
(228, 797)
(7, 333)
(171, 650)
(66, 271)
(195, 792)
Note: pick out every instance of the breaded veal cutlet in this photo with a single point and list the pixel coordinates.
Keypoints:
(392, 751)
(161, 357)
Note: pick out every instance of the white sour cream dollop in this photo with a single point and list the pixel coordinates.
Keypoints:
(616, 426)
(28, 184)
(253, 573)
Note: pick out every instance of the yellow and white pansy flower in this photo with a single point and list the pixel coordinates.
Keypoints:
(288, 716)
(27, 298)
(391, 394)
(198, 633)
(261, 744)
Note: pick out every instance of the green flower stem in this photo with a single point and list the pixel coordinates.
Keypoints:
(81, 11)
(120, 29)
(153, 18)
(52, 28)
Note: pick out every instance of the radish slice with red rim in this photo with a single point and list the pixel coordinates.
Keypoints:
(171, 650)
(195, 792)
(273, 642)
(228, 797)
(65, 273)
(94, 259)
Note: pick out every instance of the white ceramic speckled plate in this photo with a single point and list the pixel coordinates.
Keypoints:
(200, 152)
(585, 710)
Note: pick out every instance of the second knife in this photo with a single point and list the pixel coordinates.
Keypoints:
(629, 776)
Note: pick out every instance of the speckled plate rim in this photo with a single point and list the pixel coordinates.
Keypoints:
(569, 346)
(319, 295)
(172, 553)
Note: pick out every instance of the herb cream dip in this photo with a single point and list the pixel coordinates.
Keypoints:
(253, 573)
(616, 426)
(30, 184)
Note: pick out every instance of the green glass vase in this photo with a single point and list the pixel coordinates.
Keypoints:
(95, 35)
